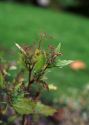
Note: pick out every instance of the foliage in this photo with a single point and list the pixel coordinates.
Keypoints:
(33, 63)
(1, 81)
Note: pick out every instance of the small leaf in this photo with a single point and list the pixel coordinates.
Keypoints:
(52, 87)
(62, 63)
(24, 106)
(11, 119)
(40, 61)
(20, 48)
(58, 48)
(3, 106)
(2, 85)
(44, 109)
(17, 87)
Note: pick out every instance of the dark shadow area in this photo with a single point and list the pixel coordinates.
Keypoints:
(83, 11)
(79, 7)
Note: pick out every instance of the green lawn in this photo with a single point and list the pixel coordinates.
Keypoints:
(23, 24)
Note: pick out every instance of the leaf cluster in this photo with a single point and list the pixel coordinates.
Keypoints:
(17, 88)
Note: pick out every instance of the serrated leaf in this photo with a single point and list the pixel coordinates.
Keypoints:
(44, 109)
(2, 85)
(40, 61)
(24, 106)
(27, 106)
(62, 63)
(58, 48)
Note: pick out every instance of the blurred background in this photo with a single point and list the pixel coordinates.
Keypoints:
(67, 21)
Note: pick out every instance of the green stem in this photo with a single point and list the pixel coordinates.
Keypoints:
(29, 80)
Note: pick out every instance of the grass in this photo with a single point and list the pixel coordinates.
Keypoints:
(22, 24)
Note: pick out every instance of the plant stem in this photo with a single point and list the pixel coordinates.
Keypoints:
(29, 80)
(26, 120)
(23, 120)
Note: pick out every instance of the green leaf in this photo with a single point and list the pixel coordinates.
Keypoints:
(27, 106)
(40, 62)
(17, 87)
(44, 109)
(58, 48)
(11, 119)
(62, 63)
(2, 85)
(24, 106)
